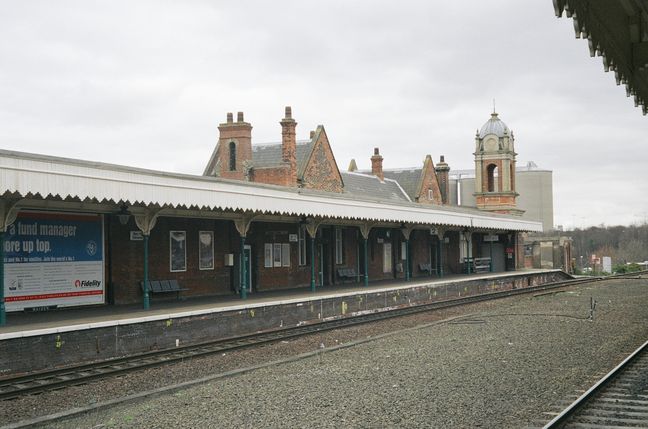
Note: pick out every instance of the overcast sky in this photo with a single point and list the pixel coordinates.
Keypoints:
(146, 84)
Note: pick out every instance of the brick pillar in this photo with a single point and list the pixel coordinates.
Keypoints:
(376, 165)
(443, 177)
(237, 136)
(289, 145)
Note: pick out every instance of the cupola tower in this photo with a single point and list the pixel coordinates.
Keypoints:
(495, 168)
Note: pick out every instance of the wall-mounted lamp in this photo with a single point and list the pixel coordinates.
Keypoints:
(123, 215)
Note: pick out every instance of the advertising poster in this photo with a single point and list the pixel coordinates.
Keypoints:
(177, 251)
(54, 259)
(206, 250)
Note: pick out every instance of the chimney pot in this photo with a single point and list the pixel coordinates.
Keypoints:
(288, 112)
(230, 118)
(376, 151)
(312, 134)
(442, 158)
(239, 117)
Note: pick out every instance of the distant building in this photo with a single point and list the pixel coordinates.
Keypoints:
(533, 184)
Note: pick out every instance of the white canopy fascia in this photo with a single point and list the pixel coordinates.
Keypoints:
(28, 174)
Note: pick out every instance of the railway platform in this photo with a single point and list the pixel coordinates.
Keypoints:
(35, 341)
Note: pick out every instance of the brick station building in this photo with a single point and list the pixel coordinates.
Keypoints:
(287, 208)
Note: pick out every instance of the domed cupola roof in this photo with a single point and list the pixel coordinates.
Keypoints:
(494, 126)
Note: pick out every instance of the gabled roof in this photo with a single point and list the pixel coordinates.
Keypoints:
(269, 154)
(408, 178)
(369, 186)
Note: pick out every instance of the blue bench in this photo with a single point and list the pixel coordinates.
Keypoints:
(163, 286)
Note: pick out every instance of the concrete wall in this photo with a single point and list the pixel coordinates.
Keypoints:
(40, 352)
(536, 195)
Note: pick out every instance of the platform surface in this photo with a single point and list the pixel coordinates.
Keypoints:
(68, 319)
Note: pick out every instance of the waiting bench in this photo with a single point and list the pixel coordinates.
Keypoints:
(478, 265)
(426, 268)
(347, 274)
(481, 265)
(163, 286)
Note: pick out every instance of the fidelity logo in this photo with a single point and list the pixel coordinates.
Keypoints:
(87, 283)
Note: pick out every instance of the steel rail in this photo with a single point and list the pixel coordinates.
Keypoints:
(572, 410)
(74, 375)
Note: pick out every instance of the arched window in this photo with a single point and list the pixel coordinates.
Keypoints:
(492, 173)
(232, 156)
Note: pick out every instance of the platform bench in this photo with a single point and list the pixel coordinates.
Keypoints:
(163, 286)
(481, 265)
(426, 268)
(347, 274)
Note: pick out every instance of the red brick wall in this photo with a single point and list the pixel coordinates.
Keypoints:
(420, 242)
(128, 258)
(430, 183)
(322, 172)
(274, 278)
(273, 175)
(239, 132)
(451, 264)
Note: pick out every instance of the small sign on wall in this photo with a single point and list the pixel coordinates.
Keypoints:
(136, 236)
(292, 238)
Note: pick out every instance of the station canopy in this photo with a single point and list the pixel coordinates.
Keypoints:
(46, 178)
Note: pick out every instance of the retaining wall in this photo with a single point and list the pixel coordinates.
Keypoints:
(39, 352)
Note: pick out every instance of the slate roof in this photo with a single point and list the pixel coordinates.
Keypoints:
(407, 178)
(269, 154)
(369, 186)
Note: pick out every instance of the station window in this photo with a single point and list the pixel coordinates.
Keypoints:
(387, 258)
(232, 156)
(463, 247)
(302, 245)
(276, 255)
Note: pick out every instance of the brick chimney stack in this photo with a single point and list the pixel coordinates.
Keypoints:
(235, 141)
(376, 165)
(289, 144)
(443, 177)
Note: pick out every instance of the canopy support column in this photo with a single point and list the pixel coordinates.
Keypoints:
(365, 229)
(490, 267)
(312, 226)
(146, 222)
(440, 233)
(243, 227)
(407, 232)
(468, 235)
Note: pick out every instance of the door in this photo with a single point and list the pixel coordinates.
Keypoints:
(498, 255)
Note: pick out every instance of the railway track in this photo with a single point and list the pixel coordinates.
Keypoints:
(59, 378)
(618, 400)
